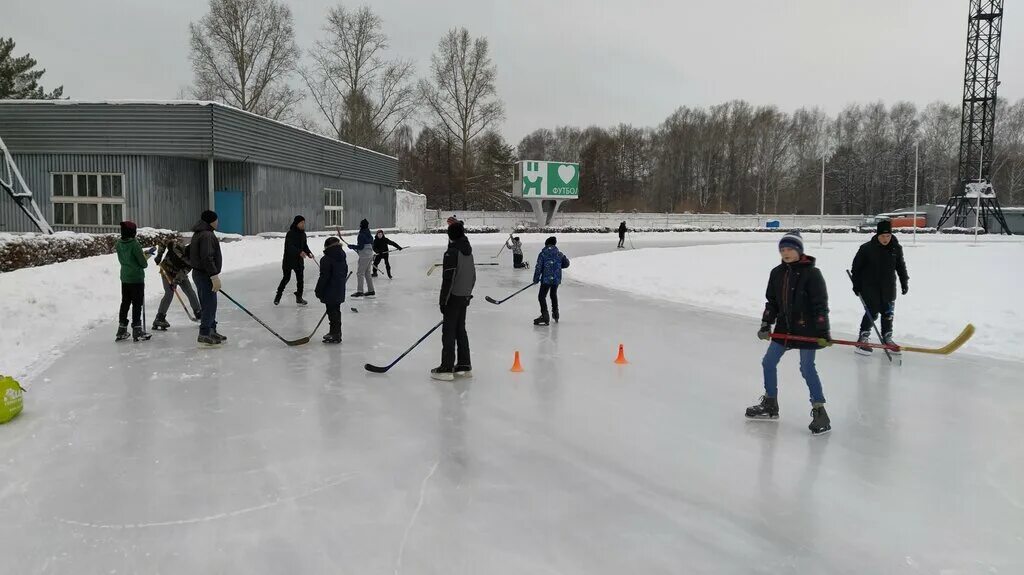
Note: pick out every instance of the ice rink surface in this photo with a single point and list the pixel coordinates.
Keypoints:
(258, 458)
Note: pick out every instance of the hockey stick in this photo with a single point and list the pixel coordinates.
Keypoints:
(433, 267)
(629, 234)
(867, 313)
(288, 342)
(174, 288)
(378, 369)
(947, 349)
(499, 302)
(503, 246)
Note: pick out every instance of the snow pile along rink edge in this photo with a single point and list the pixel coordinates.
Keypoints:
(951, 284)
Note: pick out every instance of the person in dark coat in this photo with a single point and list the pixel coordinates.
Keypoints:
(364, 247)
(458, 277)
(380, 251)
(295, 251)
(622, 234)
(797, 304)
(548, 273)
(206, 261)
(330, 288)
(876, 267)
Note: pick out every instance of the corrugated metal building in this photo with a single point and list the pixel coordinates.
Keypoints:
(92, 164)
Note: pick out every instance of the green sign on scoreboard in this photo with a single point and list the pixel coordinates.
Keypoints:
(547, 180)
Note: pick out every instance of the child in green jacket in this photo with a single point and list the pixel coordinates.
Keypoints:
(133, 288)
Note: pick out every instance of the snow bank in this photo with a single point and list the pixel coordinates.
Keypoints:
(952, 283)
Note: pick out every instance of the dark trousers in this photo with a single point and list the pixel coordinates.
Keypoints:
(517, 261)
(181, 281)
(543, 297)
(334, 318)
(208, 301)
(132, 296)
(887, 316)
(287, 270)
(453, 334)
(622, 241)
(376, 262)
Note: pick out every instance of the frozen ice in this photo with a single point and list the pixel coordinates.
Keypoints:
(187, 460)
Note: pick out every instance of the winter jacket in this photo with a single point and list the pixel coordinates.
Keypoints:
(459, 270)
(173, 259)
(797, 302)
(875, 269)
(364, 239)
(132, 260)
(204, 251)
(516, 247)
(380, 245)
(294, 246)
(550, 263)
(622, 231)
(330, 288)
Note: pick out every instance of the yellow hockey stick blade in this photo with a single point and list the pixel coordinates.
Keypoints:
(949, 347)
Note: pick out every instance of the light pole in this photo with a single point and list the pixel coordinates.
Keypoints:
(821, 220)
(917, 162)
(977, 190)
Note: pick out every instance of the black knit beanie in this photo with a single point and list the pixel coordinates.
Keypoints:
(128, 229)
(209, 216)
(551, 241)
(885, 227)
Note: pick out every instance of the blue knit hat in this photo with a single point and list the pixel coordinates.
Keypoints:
(792, 240)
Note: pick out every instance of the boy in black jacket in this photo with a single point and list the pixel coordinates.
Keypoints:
(797, 303)
(458, 277)
(875, 268)
(380, 251)
(330, 288)
(295, 250)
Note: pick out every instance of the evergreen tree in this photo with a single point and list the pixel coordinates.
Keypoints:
(18, 80)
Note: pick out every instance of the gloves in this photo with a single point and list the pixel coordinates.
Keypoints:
(765, 332)
(400, 248)
(216, 283)
(825, 340)
(906, 288)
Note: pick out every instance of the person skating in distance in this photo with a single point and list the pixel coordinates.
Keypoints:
(380, 252)
(296, 249)
(330, 287)
(206, 261)
(548, 273)
(875, 269)
(458, 276)
(364, 247)
(516, 246)
(797, 304)
(622, 234)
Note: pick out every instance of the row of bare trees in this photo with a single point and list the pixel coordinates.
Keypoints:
(732, 157)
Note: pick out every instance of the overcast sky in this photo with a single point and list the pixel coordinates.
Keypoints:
(571, 61)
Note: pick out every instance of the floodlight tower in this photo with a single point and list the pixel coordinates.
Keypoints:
(978, 121)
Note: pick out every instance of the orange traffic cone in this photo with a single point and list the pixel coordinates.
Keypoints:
(621, 360)
(516, 366)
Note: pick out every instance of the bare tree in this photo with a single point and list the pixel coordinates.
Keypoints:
(362, 96)
(461, 93)
(243, 54)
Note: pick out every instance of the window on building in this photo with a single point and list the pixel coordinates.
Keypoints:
(81, 199)
(334, 211)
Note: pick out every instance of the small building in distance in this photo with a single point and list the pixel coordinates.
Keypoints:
(92, 164)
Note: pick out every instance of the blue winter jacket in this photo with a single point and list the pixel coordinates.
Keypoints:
(330, 288)
(550, 263)
(364, 239)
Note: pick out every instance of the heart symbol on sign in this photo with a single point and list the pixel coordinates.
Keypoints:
(567, 173)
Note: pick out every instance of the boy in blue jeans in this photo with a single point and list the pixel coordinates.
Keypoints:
(797, 303)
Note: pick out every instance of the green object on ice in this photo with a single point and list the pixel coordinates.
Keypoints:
(10, 398)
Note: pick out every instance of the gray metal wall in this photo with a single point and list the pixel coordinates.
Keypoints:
(159, 192)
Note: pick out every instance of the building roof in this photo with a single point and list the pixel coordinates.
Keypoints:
(192, 129)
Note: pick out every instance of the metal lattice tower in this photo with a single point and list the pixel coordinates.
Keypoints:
(977, 127)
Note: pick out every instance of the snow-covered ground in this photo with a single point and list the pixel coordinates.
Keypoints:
(953, 282)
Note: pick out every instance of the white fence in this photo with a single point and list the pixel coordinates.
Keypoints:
(509, 220)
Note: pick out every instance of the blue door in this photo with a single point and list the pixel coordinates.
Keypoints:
(230, 208)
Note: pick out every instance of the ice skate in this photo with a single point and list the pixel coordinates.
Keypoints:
(299, 300)
(820, 422)
(542, 320)
(332, 338)
(463, 371)
(768, 409)
(865, 336)
(140, 334)
(277, 300)
(218, 336)
(122, 331)
(208, 341)
(441, 374)
(160, 323)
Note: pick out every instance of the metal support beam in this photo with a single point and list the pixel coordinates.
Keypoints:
(211, 194)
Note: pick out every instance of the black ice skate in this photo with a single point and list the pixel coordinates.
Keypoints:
(299, 300)
(332, 338)
(218, 336)
(277, 300)
(358, 294)
(820, 422)
(554, 315)
(122, 331)
(208, 341)
(442, 374)
(542, 320)
(768, 409)
(865, 336)
(464, 371)
(370, 294)
(160, 323)
(140, 334)
(887, 340)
